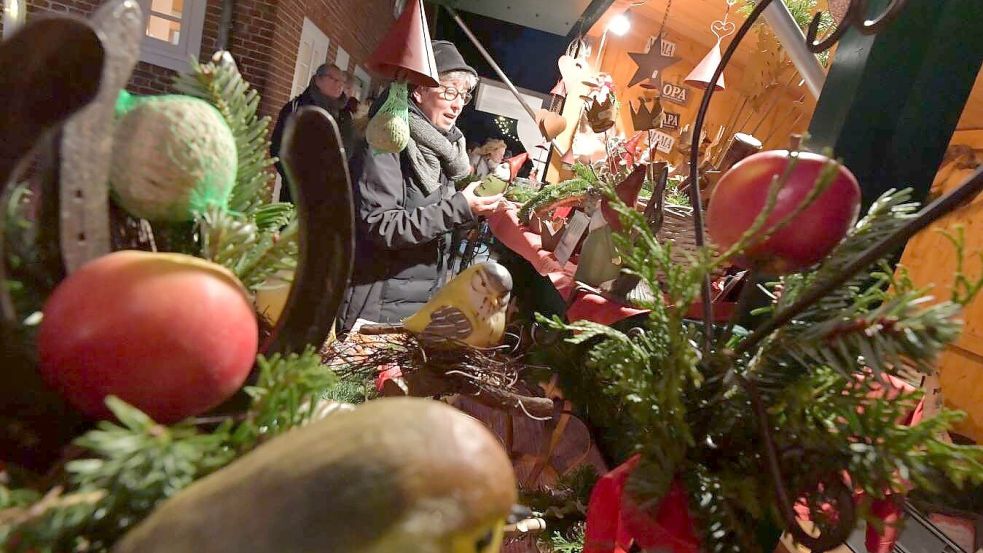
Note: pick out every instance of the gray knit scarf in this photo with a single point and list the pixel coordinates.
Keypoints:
(431, 152)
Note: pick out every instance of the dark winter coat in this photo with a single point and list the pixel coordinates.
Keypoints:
(402, 238)
(312, 97)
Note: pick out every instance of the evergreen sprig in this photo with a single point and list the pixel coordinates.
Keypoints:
(220, 83)
(130, 466)
(822, 381)
(571, 541)
(253, 253)
(553, 194)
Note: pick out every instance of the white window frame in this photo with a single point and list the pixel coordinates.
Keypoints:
(319, 41)
(342, 60)
(175, 56)
(365, 79)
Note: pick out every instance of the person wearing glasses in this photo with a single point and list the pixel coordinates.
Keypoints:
(406, 205)
(326, 90)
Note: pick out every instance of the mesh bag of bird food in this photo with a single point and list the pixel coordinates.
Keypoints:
(389, 129)
(174, 156)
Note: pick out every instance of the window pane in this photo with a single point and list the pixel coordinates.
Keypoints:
(168, 7)
(162, 29)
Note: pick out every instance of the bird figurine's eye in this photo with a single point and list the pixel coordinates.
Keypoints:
(484, 541)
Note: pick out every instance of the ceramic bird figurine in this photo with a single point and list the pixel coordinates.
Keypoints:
(469, 309)
(391, 476)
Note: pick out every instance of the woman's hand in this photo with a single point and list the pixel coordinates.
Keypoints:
(482, 205)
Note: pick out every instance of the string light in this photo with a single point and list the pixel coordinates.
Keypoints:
(504, 125)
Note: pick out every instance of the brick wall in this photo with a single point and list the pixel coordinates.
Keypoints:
(264, 38)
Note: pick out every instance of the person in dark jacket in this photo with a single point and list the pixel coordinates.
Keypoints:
(406, 206)
(326, 90)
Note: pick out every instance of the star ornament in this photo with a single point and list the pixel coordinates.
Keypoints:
(650, 64)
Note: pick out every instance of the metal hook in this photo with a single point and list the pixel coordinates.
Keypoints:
(855, 16)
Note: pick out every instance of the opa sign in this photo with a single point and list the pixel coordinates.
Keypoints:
(675, 93)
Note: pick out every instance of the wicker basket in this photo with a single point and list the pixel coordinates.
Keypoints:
(677, 229)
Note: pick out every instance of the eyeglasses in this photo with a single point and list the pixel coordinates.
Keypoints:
(450, 94)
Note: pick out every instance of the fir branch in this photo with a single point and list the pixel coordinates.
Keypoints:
(135, 465)
(273, 253)
(569, 542)
(252, 253)
(285, 396)
(802, 12)
(726, 524)
(887, 215)
(275, 216)
(220, 83)
(790, 396)
(551, 195)
(585, 173)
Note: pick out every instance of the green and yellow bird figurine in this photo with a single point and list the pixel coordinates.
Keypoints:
(470, 309)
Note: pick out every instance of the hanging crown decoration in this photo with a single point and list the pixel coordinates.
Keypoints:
(645, 119)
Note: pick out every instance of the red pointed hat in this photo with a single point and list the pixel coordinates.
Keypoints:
(405, 53)
(516, 163)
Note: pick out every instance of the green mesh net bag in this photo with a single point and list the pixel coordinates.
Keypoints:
(173, 156)
(389, 129)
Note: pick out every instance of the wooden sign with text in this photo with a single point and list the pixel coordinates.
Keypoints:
(663, 142)
(666, 48)
(670, 120)
(675, 93)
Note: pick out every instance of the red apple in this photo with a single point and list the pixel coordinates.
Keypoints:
(740, 196)
(171, 334)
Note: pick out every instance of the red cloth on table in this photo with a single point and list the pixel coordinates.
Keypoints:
(509, 231)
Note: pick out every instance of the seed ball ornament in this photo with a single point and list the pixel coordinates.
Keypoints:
(810, 234)
(171, 334)
(173, 156)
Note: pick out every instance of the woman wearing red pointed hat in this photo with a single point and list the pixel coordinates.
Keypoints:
(405, 203)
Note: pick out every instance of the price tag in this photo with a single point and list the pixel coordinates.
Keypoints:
(571, 237)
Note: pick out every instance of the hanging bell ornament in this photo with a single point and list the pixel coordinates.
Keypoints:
(702, 74)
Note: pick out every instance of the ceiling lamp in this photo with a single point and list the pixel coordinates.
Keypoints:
(620, 24)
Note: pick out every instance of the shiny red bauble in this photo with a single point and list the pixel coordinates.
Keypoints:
(171, 334)
(742, 192)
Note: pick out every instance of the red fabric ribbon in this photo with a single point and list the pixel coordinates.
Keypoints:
(615, 521)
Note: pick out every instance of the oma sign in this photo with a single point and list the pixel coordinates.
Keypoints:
(675, 93)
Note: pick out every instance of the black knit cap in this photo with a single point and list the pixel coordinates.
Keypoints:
(449, 59)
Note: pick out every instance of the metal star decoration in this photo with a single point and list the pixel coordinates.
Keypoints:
(650, 62)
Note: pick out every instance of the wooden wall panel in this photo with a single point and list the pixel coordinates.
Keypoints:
(931, 261)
